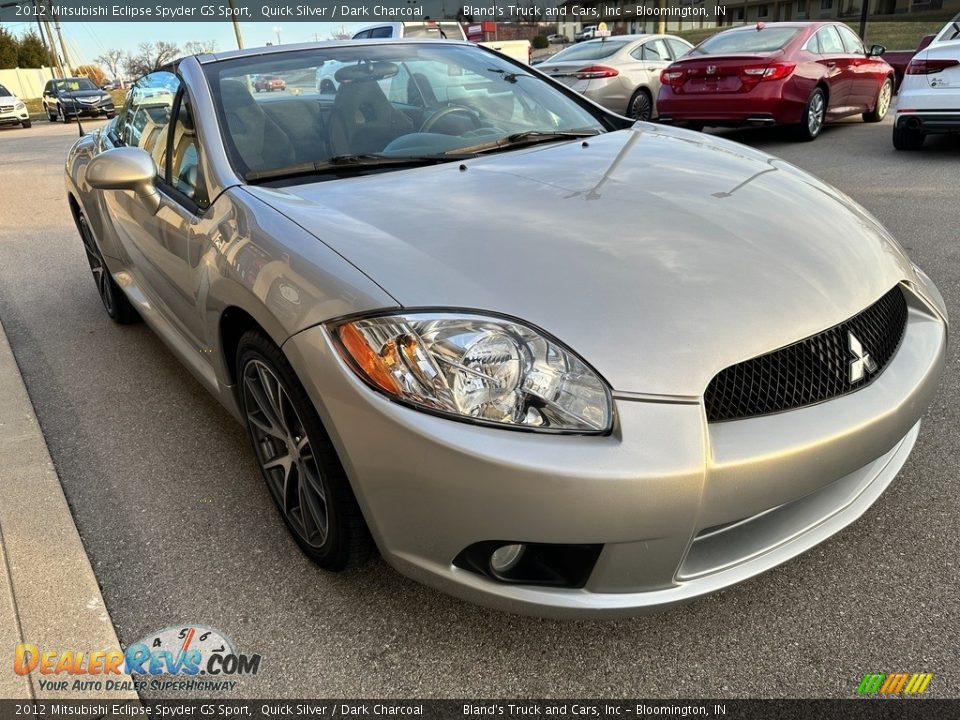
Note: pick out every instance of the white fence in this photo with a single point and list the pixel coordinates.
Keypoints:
(26, 83)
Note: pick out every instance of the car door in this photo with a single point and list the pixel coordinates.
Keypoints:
(834, 57)
(864, 76)
(158, 244)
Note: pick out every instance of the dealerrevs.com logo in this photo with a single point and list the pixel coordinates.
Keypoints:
(186, 651)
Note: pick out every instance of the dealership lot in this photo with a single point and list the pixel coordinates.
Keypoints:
(180, 529)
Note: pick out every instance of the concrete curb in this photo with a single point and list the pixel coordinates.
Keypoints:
(48, 592)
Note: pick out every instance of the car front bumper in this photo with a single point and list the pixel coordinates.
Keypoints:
(85, 110)
(681, 507)
(14, 117)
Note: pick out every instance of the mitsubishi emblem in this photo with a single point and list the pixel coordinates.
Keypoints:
(862, 364)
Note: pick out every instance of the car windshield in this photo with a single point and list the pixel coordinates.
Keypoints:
(749, 40)
(4, 92)
(447, 30)
(352, 107)
(590, 50)
(75, 84)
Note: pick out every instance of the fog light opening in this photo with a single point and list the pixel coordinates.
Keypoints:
(505, 558)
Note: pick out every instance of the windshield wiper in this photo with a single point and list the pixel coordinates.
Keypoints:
(341, 164)
(530, 137)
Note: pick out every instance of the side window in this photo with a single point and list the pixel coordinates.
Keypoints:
(381, 32)
(186, 176)
(145, 117)
(812, 46)
(679, 49)
(830, 42)
(362, 35)
(851, 42)
(654, 50)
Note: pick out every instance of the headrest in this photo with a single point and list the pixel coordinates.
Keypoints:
(366, 71)
(235, 94)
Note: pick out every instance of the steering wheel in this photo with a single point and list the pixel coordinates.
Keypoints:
(431, 121)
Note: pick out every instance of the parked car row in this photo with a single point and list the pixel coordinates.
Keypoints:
(799, 74)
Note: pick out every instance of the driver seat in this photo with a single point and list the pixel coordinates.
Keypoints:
(363, 120)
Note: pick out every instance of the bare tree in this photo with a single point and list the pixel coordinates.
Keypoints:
(151, 56)
(341, 34)
(114, 60)
(195, 47)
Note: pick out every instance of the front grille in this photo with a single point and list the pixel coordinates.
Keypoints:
(812, 370)
(6, 108)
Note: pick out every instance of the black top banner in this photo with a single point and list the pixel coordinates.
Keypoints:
(264, 709)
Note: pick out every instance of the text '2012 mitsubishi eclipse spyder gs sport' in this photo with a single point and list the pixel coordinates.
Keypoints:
(539, 356)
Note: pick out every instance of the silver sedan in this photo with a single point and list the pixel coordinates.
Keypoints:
(622, 72)
(539, 356)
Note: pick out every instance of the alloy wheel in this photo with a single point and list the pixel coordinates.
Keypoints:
(815, 114)
(641, 108)
(285, 453)
(98, 267)
(883, 101)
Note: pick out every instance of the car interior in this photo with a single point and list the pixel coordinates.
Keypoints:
(401, 106)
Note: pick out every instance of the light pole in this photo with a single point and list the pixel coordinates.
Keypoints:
(277, 29)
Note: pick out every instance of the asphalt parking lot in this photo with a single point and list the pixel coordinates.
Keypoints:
(180, 529)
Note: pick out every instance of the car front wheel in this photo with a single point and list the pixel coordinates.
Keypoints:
(884, 96)
(26, 124)
(811, 122)
(297, 459)
(114, 301)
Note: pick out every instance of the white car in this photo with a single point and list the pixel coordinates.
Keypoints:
(12, 109)
(929, 100)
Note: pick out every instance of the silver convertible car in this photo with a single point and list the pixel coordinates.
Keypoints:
(539, 356)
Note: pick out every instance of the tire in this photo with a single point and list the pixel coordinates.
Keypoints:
(280, 416)
(640, 106)
(814, 115)
(61, 115)
(115, 302)
(111, 116)
(26, 124)
(882, 104)
(52, 117)
(904, 139)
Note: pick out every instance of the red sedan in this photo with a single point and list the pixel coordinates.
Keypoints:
(269, 83)
(799, 74)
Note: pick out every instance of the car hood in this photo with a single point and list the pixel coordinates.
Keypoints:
(659, 255)
(83, 93)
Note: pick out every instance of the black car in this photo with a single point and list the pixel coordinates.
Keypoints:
(69, 98)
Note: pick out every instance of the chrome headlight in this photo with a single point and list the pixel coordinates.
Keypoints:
(477, 368)
(20, 106)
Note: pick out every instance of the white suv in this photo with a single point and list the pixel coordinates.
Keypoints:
(12, 109)
(929, 99)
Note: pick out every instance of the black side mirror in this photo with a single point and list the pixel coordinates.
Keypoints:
(877, 51)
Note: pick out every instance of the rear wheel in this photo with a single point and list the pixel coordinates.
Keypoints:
(884, 96)
(811, 122)
(116, 304)
(297, 459)
(641, 106)
(906, 139)
(51, 116)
